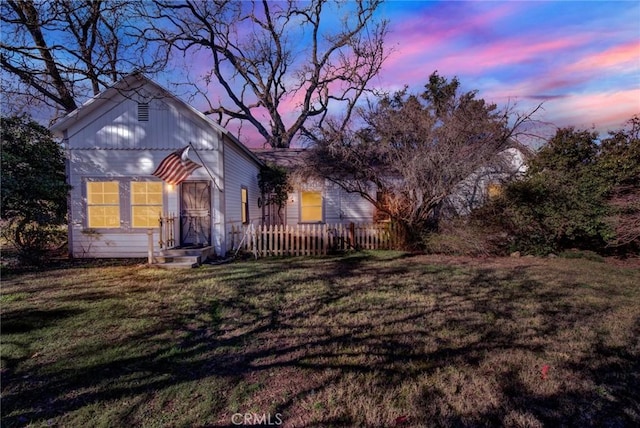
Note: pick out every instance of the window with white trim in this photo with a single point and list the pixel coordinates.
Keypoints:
(146, 203)
(103, 204)
(244, 205)
(311, 207)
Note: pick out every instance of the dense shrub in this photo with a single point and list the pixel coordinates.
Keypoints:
(32, 241)
(34, 189)
(579, 192)
(465, 237)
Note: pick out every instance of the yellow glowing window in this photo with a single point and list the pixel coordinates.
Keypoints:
(494, 190)
(146, 203)
(103, 204)
(310, 207)
(244, 205)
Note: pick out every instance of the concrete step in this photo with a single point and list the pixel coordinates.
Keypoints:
(183, 257)
(178, 259)
(177, 265)
(203, 252)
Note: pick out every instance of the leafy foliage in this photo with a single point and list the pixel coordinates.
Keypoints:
(34, 189)
(620, 165)
(274, 185)
(578, 193)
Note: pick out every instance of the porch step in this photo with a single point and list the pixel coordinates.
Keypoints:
(182, 257)
(177, 265)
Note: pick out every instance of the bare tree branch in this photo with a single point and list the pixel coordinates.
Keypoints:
(415, 151)
(60, 52)
(268, 57)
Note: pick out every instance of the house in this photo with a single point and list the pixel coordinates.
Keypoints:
(487, 182)
(313, 200)
(113, 144)
(116, 142)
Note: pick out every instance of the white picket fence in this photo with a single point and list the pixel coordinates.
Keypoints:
(312, 239)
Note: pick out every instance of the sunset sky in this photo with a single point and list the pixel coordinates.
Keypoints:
(582, 59)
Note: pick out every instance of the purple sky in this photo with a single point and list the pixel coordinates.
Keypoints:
(580, 58)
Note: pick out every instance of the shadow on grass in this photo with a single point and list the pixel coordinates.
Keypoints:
(307, 331)
(24, 321)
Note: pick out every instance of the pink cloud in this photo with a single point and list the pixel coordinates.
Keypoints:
(622, 57)
(474, 60)
(419, 41)
(605, 110)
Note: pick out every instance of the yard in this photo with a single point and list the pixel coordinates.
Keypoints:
(374, 339)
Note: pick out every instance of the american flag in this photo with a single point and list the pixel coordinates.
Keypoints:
(176, 167)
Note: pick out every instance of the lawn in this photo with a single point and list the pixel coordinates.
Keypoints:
(371, 339)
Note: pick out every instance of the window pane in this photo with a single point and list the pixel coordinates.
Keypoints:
(311, 198)
(154, 193)
(103, 204)
(111, 187)
(95, 193)
(311, 206)
(154, 198)
(146, 203)
(311, 214)
(244, 205)
(103, 216)
(146, 216)
(111, 198)
(138, 198)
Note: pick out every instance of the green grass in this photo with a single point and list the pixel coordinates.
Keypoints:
(371, 339)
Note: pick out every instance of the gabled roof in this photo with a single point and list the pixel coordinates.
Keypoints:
(131, 83)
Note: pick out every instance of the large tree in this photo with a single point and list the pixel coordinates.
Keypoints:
(287, 63)
(57, 53)
(409, 152)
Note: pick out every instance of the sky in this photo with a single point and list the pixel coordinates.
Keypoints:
(581, 60)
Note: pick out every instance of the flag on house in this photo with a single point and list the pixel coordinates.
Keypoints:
(176, 167)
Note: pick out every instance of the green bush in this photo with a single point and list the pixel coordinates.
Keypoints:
(34, 242)
(462, 237)
(579, 192)
(34, 189)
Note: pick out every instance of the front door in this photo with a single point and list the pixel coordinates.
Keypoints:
(195, 214)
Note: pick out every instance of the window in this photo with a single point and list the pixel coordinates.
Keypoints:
(244, 205)
(311, 207)
(494, 190)
(146, 203)
(103, 204)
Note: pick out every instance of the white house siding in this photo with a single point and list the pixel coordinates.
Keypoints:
(240, 171)
(344, 207)
(111, 143)
(292, 208)
(473, 191)
(339, 206)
